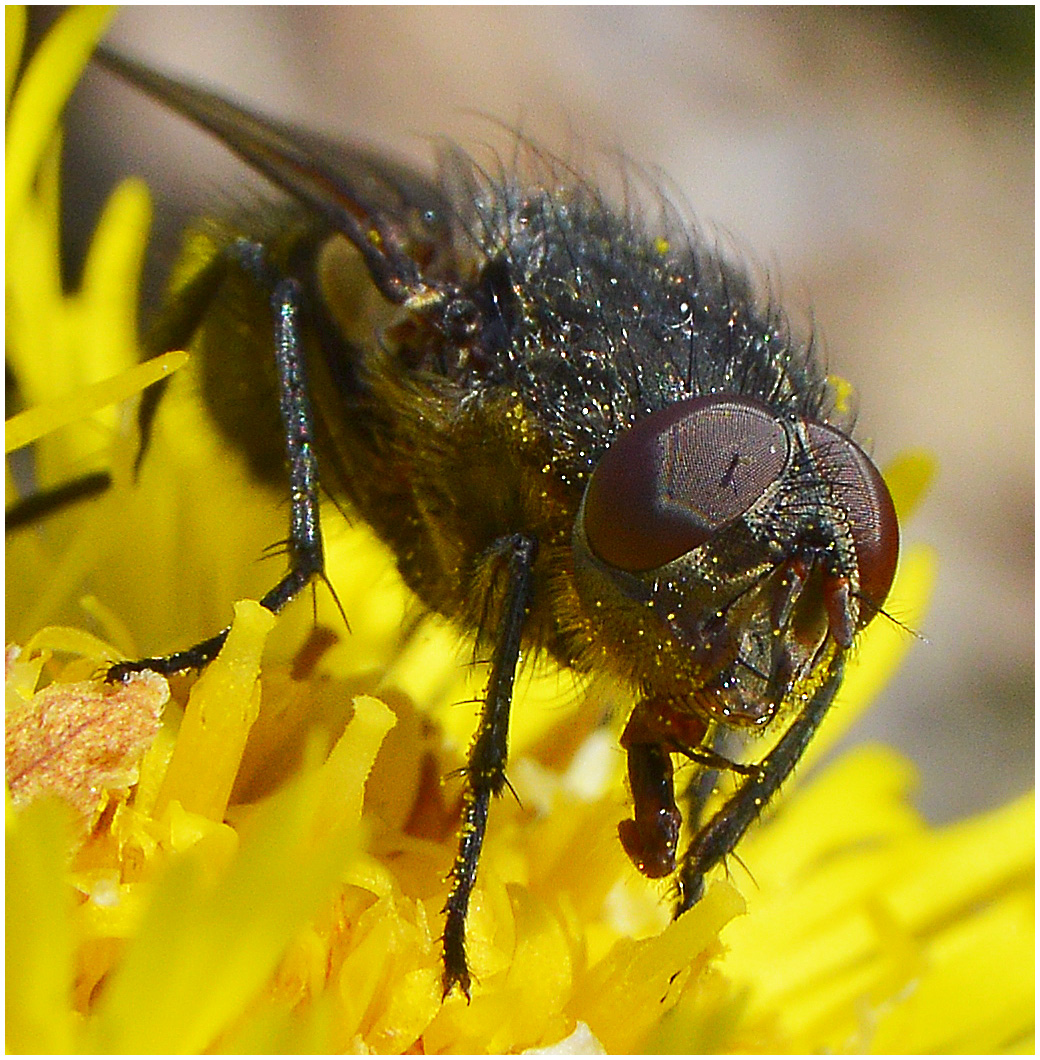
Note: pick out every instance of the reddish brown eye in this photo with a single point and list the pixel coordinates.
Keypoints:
(857, 485)
(675, 478)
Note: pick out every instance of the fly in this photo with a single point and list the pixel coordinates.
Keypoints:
(579, 436)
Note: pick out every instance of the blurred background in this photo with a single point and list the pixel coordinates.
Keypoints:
(878, 162)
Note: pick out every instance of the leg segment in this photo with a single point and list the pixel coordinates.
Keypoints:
(722, 833)
(651, 835)
(39, 505)
(485, 773)
(306, 553)
(656, 729)
(173, 332)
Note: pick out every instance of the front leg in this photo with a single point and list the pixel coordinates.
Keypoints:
(656, 729)
(722, 833)
(485, 771)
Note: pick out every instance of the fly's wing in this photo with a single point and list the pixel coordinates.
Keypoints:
(396, 218)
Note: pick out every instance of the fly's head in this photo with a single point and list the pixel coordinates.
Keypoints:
(730, 551)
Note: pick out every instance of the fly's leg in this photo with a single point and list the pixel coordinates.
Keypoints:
(174, 331)
(656, 729)
(485, 771)
(703, 783)
(306, 554)
(722, 833)
(650, 836)
(178, 323)
(39, 505)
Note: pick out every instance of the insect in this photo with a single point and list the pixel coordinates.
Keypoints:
(579, 435)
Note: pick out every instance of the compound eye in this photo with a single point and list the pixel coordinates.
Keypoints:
(674, 479)
(857, 485)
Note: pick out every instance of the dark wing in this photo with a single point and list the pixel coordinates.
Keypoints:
(395, 217)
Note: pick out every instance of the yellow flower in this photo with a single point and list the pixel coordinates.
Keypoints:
(264, 869)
